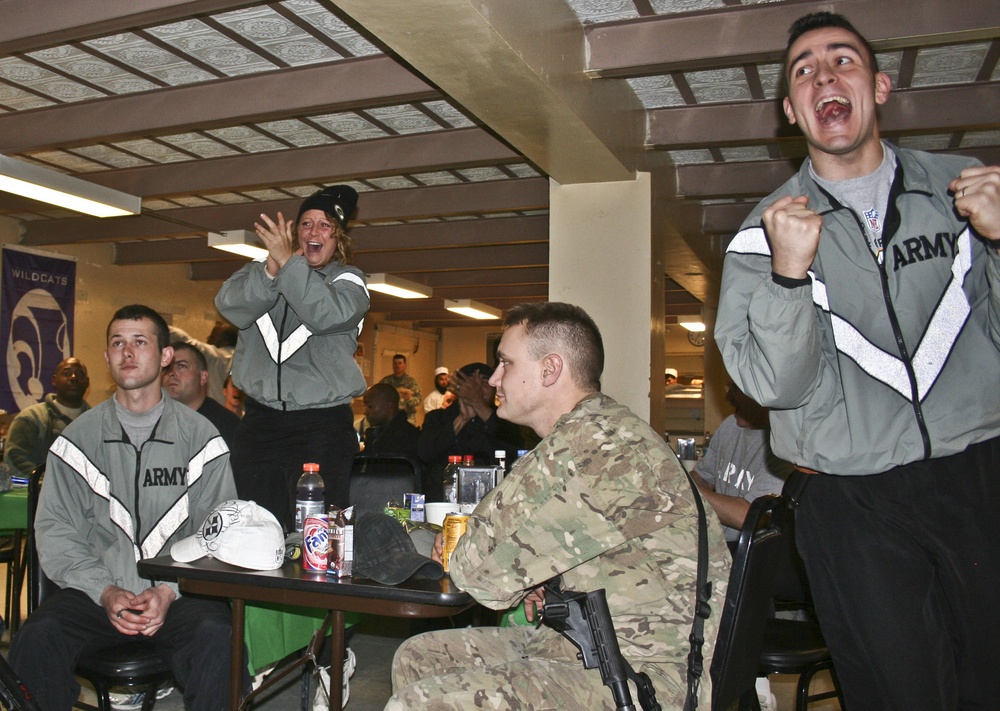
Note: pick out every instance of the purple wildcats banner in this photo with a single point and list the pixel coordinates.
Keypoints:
(36, 323)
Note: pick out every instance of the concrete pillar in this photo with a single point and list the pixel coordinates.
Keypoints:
(602, 244)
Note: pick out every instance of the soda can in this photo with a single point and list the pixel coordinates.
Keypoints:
(453, 528)
(315, 542)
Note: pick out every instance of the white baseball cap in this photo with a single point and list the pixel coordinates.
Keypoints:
(440, 370)
(236, 532)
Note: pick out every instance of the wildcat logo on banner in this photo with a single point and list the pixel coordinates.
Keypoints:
(36, 323)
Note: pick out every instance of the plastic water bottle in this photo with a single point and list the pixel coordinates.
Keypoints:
(451, 478)
(500, 456)
(308, 495)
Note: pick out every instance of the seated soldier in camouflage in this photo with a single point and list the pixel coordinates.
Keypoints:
(602, 502)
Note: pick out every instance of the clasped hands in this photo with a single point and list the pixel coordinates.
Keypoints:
(137, 614)
(279, 239)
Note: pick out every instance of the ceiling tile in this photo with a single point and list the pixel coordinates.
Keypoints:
(272, 32)
(246, 139)
(949, 65)
(76, 62)
(349, 126)
(148, 58)
(332, 26)
(449, 113)
(688, 157)
(393, 182)
(295, 132)
(404, 119)
(109, 156)
(656, 92)
(156, 152)
(596, 11)
(665, 7)
(211, 47)
(717, 85)
(441, 177)
(31, 76)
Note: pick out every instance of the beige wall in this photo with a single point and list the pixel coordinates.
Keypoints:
(388, 339)
(461, 346)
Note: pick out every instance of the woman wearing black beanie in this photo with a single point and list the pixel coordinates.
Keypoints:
(300, 311)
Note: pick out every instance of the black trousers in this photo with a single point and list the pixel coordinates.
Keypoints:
(904, 568)
(194, 639)
(271, 446)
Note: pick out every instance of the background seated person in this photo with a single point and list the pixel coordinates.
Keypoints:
(435, 400)
(469, 425)
(739, 466)
(35, 428)
(389, 430)
(187, 381)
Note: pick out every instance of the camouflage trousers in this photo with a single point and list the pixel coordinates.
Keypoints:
(497, 668)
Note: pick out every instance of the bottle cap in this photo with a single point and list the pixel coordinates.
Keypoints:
(454, 459)
(310, 467)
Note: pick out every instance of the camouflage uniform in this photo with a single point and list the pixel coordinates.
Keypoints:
(603, 502)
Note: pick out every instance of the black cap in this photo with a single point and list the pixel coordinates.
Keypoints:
(484, 370)
(384, 552)
(337, 201)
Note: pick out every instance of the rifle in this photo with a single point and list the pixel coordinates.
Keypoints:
(584, 618)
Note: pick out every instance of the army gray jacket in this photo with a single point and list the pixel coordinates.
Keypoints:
(298, 333)
(105, 505)
(870, 365)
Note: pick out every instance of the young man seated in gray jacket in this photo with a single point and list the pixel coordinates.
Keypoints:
(123, 482)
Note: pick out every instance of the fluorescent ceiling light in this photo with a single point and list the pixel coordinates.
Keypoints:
(472, 309)
(37, 183)
(241, 242)
(397, 286)
(691, 323)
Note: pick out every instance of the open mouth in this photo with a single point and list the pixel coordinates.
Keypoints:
(313, 247)
(833, 108)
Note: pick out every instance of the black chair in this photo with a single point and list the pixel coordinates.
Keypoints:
(11, 555)
(751, 641)
(764, 542)
(131, 664)
(796, 646)
(377, 480)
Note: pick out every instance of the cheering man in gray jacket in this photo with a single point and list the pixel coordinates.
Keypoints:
(861, 303)
(123, 482)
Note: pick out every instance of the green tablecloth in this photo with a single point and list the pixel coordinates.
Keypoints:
(273, 631)
(14, 509)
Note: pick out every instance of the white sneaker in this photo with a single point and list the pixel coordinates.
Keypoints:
(321, 702)
(764, 695)
(259, 679)
(132, 700)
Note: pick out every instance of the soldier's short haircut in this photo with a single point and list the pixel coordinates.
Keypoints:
(555, 327)
(199, 357)
(821, 21)
(136, 312)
